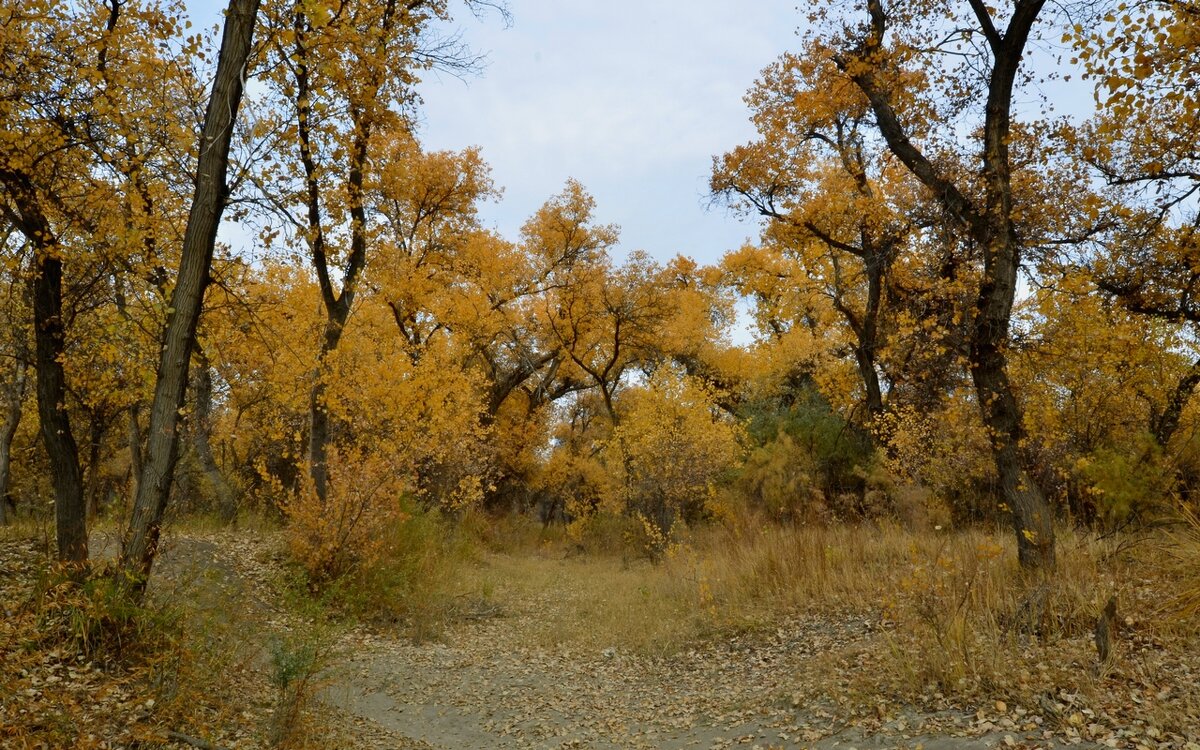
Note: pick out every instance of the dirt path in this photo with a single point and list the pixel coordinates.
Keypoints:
(489, 683)
(493, 682)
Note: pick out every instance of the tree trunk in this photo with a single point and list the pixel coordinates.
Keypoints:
(135, 449)
(1163, 428)
(49, 337)
(1032, 520)
(70, 513)
(208, 203)
(876, 263)
(1031, 515)
(201, 429)
(318, 410)
(8, 429)
(94, 489)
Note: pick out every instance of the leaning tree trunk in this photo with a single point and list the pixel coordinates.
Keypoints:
(1030, 513)
(208, 202)
(1164, 426)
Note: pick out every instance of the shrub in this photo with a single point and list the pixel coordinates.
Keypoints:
(348, 530)
(295, 661)
(1123, 484)
(779, 477)
(670, 449)
(946, 452)
(835, 448)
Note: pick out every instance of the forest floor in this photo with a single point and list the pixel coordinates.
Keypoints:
(543, 650)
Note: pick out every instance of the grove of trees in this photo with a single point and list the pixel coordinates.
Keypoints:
(962, 307)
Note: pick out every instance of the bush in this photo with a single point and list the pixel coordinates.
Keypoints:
(835, 448)
(670, 449)
(1124, 484)
(780, 478)
(411, 576)
(347, 531)
(947, 453)
(295, 661)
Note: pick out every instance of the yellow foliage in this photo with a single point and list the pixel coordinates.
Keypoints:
(350, 529)
(670, 447)
(946, 452)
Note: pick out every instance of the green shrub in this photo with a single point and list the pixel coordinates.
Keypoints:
(780, 477)
(1124, 484)
(836, 449)
(295, 661)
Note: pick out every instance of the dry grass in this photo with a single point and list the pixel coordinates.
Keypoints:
(942, 620)
(83, 666)
(953, 621)
(959, 618)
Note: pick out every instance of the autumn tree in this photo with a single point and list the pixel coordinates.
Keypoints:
(1142, 144)
(671, 447)
(874, 55)
(341, 76)
(1090, 398)
(609, 324)
(839, 207)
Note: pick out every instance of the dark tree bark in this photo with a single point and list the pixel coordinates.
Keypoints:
(93, 489)
(135, 448)
(179, 336)
(8, 429)
(992, 227)
(1164, 426)
(70, 513)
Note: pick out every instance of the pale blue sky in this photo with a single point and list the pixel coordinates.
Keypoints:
(633, 99)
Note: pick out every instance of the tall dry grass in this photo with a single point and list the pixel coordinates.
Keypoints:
(940, 618)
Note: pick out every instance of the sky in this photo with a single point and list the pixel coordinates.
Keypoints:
(631, 98)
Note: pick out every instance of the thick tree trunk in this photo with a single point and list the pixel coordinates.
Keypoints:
(49, 337)
(1032, 520)
(208, 202)
(50, 345)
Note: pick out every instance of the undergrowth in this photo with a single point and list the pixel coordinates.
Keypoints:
(940, 619)
(84, 663)
(412, 578)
